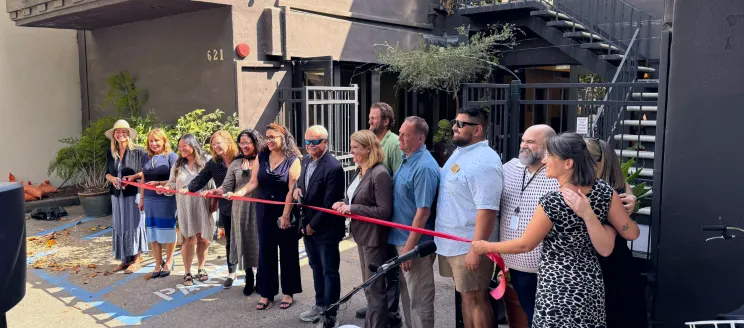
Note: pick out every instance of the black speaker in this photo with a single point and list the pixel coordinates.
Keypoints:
(13, 246)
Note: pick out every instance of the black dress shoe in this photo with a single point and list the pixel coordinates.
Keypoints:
(228, 283)
(249, 288)
(361, 313)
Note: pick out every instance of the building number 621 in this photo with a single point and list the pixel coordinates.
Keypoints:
(214, 55)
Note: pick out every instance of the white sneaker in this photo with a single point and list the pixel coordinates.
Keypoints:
(320, 325)
(312, 314)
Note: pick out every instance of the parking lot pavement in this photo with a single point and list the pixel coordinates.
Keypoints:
(72, 286)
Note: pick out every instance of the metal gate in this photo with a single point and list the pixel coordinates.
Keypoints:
(516, 106)
(335, 108)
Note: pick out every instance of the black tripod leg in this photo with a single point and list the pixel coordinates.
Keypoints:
(459, 323)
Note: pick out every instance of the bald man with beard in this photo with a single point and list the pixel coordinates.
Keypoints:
(524, 184)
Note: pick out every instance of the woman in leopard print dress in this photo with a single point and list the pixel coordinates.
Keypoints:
(570, 224)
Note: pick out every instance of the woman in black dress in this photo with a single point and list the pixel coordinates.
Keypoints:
(276, 171)
(624, 286)
(571, 225)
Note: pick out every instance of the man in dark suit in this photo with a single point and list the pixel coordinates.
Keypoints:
(321, 184)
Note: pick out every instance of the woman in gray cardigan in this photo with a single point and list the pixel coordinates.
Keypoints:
(370, 194)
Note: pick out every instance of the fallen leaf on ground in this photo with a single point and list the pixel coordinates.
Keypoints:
(93, 275)
(91, 266)
(93, 229)
(32, 238)
(51, 265)
(148, 277)
(51, 242)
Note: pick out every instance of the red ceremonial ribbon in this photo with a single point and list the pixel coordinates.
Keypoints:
(497, 293)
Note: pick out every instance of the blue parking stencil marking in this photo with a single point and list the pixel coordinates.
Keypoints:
(63, 227)
(172, 297)
(97, 233)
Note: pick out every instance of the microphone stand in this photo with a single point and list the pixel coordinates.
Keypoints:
(379, 272)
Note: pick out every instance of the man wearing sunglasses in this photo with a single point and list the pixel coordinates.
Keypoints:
(470, 185)
(321, 184)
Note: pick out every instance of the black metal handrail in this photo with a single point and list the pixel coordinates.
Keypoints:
(626, 72)
(610, 21)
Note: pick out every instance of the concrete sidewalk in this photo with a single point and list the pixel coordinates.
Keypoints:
(95, 298)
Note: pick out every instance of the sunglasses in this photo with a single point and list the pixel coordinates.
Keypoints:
(314, 142)
(461, 124)
(272, 138)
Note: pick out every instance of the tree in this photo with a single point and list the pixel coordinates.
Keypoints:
(123, 96)
(434, 67)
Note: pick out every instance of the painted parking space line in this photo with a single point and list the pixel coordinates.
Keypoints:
(62, 227)
(170, 298)
(98, 233)
(81, 294)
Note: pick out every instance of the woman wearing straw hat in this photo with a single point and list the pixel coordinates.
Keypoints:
(123, 161)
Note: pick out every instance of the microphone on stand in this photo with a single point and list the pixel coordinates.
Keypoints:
(422, 250)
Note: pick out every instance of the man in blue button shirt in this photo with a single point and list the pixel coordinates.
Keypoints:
(415, 185)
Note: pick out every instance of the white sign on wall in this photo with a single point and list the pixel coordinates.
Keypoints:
(582, 125)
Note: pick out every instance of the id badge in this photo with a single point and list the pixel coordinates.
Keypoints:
(514, 222)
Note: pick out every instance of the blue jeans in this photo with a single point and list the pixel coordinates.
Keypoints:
(324, 259)
(525, 284)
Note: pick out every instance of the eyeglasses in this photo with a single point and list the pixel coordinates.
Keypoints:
(314, 142)
(272, 138)
(461, 124)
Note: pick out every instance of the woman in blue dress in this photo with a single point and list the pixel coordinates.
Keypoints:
(160, 210)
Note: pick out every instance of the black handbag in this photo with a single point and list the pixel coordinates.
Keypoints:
(296, 219)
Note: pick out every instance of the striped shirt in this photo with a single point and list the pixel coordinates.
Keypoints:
(516, 178)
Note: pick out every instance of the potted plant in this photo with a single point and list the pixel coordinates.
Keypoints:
(83, 160)
(443, 146)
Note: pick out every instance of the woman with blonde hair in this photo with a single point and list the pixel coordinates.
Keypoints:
(160, 210)
(223, 150)
(624, 285)
(196, 225)
(276, 172)
(123, 162)
(370, 194)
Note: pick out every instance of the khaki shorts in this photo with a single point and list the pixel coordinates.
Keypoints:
(466, 280)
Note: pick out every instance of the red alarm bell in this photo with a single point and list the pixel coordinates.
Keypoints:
(242, 50)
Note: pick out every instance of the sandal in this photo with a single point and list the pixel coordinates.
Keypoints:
(156, 274)
(286, 305)
(188, 280)
(134, 267)
(202, 275)
(120, 267)
(264, 306)
(164, 271)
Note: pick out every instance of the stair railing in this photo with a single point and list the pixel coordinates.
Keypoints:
(626, 72)
(610, 21)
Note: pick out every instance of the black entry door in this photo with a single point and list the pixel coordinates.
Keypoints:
(313, 71)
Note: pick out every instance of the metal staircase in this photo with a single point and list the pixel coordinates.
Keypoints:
(596, 33)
